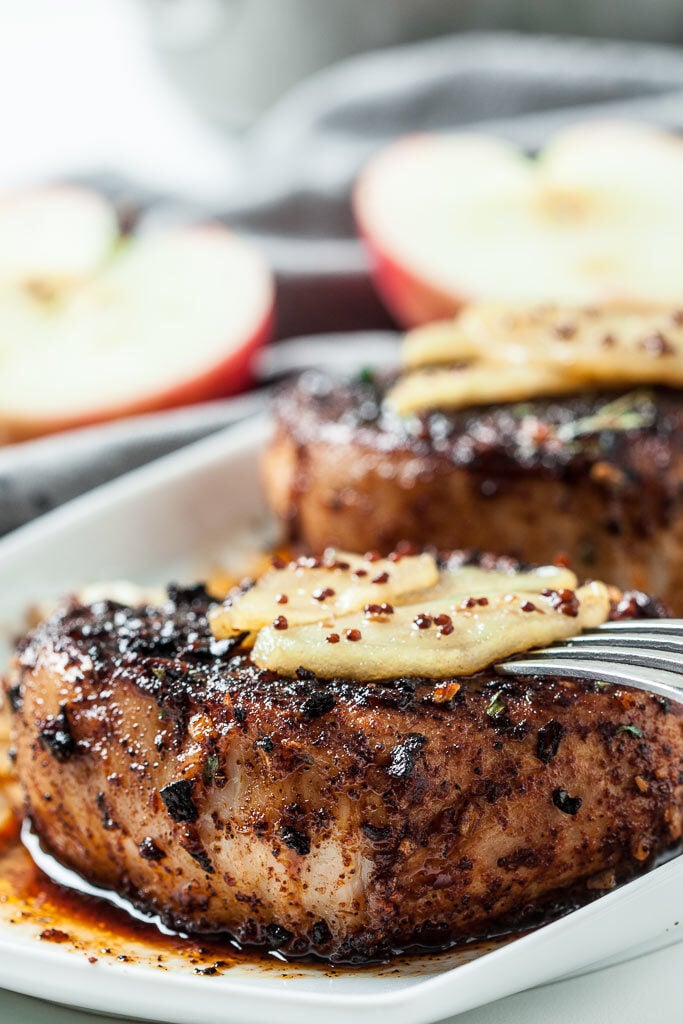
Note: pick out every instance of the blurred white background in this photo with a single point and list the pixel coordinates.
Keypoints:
(82, 89)
(147, 88)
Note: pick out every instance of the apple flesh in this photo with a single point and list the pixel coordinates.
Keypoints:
(94, 326)
(454, 219)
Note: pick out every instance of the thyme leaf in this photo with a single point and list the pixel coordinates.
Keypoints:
(632, 411)
(210, 767)
(496, 706)
(632, 730)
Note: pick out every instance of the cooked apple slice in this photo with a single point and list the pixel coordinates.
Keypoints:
(313, 590)
(435, 640)
(508, 353)
(472, 581)
(145, 323)
(482, 383)
(452, 219)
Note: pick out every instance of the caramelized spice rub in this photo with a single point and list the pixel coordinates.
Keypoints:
(333, 817)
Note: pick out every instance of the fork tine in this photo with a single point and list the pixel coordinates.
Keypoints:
(645, 656)
(665, 684)
(656, 641)
(674, 626)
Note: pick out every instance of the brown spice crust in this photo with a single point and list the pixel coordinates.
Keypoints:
(342, 471)
(330, 816)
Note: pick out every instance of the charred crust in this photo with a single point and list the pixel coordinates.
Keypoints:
(566, 803)
(177, 798)
(14, 697)
(548, 742)
(108, 823)
(276, 936)
(149, 850)
(190, 842)
(525, 857)
(295, 840)
(54, 735)
(195, 596)
(376, 833)
(321, 935)
(634, 604)
(403, 757)
(317, 705)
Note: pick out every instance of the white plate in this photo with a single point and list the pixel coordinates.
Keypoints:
(174, 518)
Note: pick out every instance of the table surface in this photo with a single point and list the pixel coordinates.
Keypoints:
(55, 126)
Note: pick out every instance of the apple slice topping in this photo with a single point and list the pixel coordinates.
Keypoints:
(461, 581)
(461, 218)
(94, 326)
(320, 589)
(434, 640)
(343, 614)
(497, 353)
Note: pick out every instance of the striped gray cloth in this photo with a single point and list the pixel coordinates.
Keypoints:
(296, 170)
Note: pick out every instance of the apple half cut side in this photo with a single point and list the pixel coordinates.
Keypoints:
(54, 235)
(148, 322)
(596, 218)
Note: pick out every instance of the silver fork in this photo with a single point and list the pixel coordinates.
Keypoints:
(644, 653)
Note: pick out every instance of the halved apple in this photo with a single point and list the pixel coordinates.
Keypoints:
(95, 326)
(454, 219)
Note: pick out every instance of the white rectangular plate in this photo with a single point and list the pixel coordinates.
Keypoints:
(175, 519)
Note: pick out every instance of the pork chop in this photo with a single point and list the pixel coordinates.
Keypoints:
(535, 480)
(336, 817)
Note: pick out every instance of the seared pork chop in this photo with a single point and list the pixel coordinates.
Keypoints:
(344, 818)
(535, 480)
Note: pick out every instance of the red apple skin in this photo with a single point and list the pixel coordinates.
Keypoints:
(228, 377)
(411, 300)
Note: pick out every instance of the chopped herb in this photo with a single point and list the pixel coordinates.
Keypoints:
(496, 706)
(365, 375)
(633, 730)
(600, 684)
(521, 409)
(628, 412)
(210, 767)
